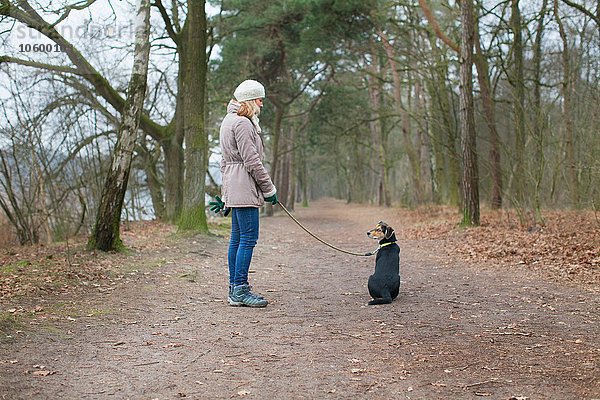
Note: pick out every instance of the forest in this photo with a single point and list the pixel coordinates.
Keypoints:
(111, 110)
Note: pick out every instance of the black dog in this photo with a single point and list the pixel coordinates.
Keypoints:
(384, 284)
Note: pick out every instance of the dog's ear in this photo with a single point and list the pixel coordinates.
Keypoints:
(389, 231)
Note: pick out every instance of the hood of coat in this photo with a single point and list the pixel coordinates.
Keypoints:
(233, 107)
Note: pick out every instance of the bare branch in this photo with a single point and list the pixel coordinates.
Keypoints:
(35, 64)
(583, 10)
(168, 24)
(77, 6)
(28, 16)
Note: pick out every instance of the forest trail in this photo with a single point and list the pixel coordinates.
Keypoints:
(162, 329)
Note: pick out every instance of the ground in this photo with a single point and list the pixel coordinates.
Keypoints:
(476, 318)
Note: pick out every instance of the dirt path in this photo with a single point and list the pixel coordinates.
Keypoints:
(456, 331)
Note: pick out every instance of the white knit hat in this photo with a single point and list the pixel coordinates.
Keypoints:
(249, 90)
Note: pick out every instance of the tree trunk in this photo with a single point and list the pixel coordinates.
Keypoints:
(470, 176)
(377, 162)
(518, 81)
(450, 167)
(275, 150)
(409, 147)
(567, 87)
(193, 215)
(291, 197)
(283, 175)
(153, 183)
(489, 109)
(538, 121)
(105, 235)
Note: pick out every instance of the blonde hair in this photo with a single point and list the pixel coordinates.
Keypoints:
(248, 109)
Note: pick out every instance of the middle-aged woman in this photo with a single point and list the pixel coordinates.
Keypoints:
(246, 186)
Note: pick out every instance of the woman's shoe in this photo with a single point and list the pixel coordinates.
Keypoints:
(242, 296)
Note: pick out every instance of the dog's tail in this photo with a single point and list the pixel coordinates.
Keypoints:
(382, 300)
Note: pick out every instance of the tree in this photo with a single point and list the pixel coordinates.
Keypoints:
(567, 88)
(483, 76)
(518, 82)
(470, 175)
(193, 216)
(105, 235)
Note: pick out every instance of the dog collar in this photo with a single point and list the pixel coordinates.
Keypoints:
(379, 248)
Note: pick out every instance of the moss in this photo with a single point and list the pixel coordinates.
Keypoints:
(193, 220)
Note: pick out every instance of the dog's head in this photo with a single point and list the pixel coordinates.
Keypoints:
(381, 231)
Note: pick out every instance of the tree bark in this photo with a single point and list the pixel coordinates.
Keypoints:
(193, 215)
(470, 176)
(538, 121)
(105, 235)
(518, 82)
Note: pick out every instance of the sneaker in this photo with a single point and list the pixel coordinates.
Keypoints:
(259, 296)
(242, 296)
(230, 301)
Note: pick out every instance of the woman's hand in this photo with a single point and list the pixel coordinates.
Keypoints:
(273, 199)
(219, 205)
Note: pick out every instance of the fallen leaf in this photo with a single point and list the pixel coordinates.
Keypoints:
(171, 345)
(43, 373)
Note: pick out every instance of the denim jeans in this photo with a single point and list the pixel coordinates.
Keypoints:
(244, 235)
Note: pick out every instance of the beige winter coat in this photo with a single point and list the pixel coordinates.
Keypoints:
(246, 181)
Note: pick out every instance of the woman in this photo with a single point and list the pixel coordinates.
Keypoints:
(246, 186)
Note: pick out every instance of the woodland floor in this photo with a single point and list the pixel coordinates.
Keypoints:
(496, 312)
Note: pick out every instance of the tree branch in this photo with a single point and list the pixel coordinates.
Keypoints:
(436, 26)
(28, 16)
(168, 24)
(583, 10)
(76, 6)
(35, 64)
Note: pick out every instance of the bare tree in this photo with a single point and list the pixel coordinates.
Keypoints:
(105, 235)
(470, 175)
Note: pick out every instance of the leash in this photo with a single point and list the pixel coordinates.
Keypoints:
(324, 242)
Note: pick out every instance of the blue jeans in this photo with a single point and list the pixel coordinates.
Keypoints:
(244, 235)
